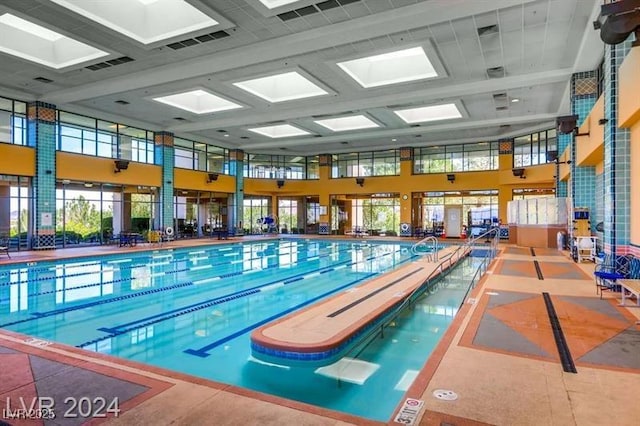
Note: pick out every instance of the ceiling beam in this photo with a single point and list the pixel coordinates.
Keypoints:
(397, 20)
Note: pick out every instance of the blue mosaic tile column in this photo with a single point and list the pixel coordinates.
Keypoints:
(41, 134)
(617, 153)
(164, 157)
(236, 168)
(584, 94)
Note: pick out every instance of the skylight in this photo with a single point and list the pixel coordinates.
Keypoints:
(342, 124)
(36, 43)
(143, 20)
(198, 101)
(279, 131)
(281, 87)
(429, 113)
(272, 4)
(390, 68)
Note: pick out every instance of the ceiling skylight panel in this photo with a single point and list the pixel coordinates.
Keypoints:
(272, 4)
(341, 124)
(429, 113)
(390, 68)
(279, 131)
(281, 87)
(143, 20)
(198, 101)
(33, 42)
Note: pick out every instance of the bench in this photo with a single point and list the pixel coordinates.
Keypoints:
(632, 287)
(613, 269)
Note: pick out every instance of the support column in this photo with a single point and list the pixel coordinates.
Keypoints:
(164, 157)
(236, 211)
(324, 171)
(406, 169)
(41, 123)
(617, 157)
(584, 94)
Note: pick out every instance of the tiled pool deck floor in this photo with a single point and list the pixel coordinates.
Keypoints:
(499, 357)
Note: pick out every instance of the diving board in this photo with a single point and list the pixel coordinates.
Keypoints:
(324, 331)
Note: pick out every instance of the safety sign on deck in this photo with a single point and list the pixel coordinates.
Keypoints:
(409, 411)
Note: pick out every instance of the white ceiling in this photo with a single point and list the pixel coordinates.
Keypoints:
(539, 44)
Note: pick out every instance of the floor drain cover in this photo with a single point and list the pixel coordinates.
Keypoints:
(446, 395)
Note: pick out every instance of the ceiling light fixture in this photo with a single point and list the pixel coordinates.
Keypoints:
(35, 43)
(341, 124)
(198, 101)
(279, 131)
(281, 87)
(390, 68)
(429, 113)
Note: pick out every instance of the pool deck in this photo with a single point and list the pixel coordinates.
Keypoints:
(499, 357)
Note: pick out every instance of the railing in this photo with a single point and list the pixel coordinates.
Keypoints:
(486, 259)
(444, 266)
(432, 255)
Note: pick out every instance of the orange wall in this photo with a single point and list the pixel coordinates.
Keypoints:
(634, 185)
(197, 180)
(628, 102)
(17, 160)
(590, 149)
(95, 169)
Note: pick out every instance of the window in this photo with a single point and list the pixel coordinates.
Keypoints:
(13, 122)
(361, 164)
(264, 166)
(456, 158)
(530, 150)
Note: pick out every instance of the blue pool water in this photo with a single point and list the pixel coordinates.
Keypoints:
(192, 310)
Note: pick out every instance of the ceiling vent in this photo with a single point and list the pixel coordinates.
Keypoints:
(501, 108)
(489, 29)
(495, 72)
(43, 80)
(121, 102)
(198, 40)
(110, 63)
(309, 10)
(500, 97)
(179, 119)
(244, 137)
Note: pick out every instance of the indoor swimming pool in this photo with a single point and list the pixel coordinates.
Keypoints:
(192, 310)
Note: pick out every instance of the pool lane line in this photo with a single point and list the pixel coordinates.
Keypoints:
(38, 315)
(226, 297)
(173, 271)
(373, 293)
(538, 270)
(533, 252)
(203, 351)
(201, 305)
(561, 343)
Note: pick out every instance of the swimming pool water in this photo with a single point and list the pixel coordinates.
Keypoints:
(192, 310)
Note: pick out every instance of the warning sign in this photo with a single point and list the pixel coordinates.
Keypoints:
(409, 411)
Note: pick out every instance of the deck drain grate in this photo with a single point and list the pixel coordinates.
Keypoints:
(446, 395)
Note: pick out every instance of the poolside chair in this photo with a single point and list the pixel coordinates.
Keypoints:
(4, 246)
(613, 268)
(154, 237)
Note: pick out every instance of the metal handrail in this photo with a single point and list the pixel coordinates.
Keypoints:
(469, 244)
(434, 252)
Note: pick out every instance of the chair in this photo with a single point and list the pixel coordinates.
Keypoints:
(155, 237)
(613, 268)
(4, 246)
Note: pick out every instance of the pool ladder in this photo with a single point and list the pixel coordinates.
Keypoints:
(432, 256)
